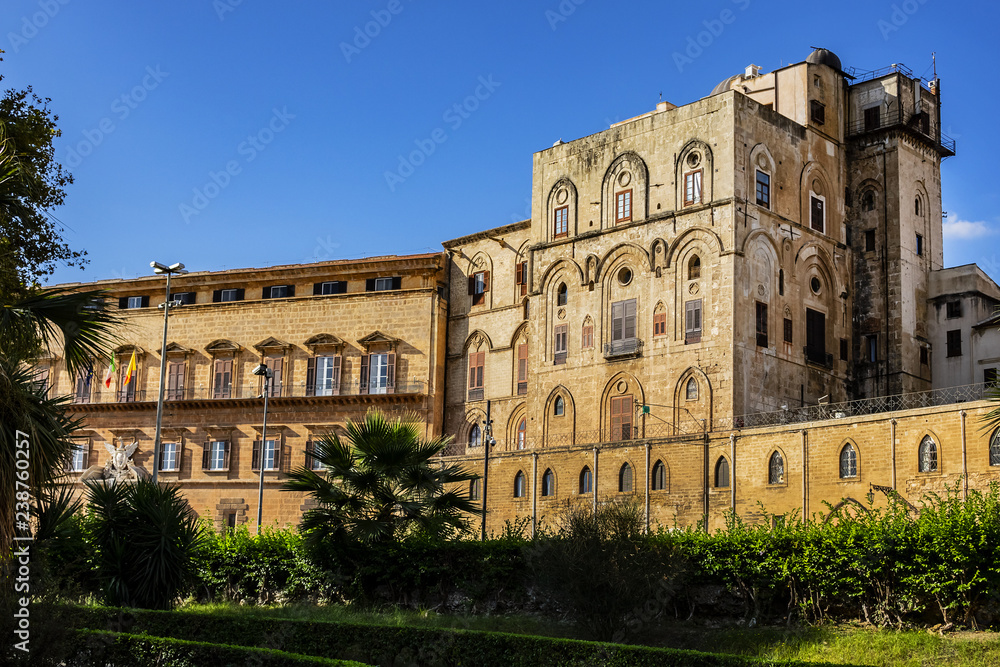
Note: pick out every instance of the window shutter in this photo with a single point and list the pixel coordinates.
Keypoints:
(481, 368)
(522, 362)
(204, 456)
(290, 290)
(309, 455)
(145, 301)
(363, 388)
(217, 296)
(86, 455)
(255, 463)
(336, 374)
(123, 302)
(486, 281)
(317, 288)
(518, 273)
(180, 455)
(159, 464)
(390, 386)
(472, 370)
(266, 293)
(239, 294)
(370, 285)
(629, 328)
(472, 285)
(397, 282)
(225, 462)
(617, 320)
(311, 377)
(275, 385)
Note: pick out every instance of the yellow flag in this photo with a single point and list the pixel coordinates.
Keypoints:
(130, 370)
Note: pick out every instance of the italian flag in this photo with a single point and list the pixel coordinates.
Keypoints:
(129, 370)
(111, 372)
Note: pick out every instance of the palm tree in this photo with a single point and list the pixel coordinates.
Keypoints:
(380, 484)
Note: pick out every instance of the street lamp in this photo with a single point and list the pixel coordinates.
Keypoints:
(169, 270)
(262, 370)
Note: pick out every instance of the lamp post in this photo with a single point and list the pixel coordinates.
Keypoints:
(169, 270)
(265, 372)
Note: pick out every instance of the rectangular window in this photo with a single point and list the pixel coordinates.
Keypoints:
(817, 215)
(990, 377)
(133, 302)
(185, 298)
(330, 287)
(870, 240)
(692, 321)
(381, 373)
(623, 208)
(323, 376)
(561, 343)
(521, 277)
(81, 456)
(815, 336)
(222, 386)
(788, 330)
(175, 380)
(920, 245)
(216, 455)
(169, 459)
(479, 285)
(817, 112)
(274, 384)
(872, 118)
(225, 295)
(81, 390)
(955, 343)
(312, 463)
(477, 363)
(659, 324)
(924, 357)
(126, 392)
(954, 309)
(692, 188)
(623, 320)
(843, 349)
(272, 455)
(383, 284)
(621, 418)
(871, 348)
(761, 324)
(763, 189)
(587, 337)
(278, 291)
(562, 222)
(522, 369)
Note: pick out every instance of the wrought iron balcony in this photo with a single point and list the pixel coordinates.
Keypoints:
(623, 349)
(251, 390)
(918, 123)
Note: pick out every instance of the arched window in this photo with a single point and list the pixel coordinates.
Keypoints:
(625, 479)
(776, 469)
(475, 436)
(691, 391)
(848, 462)
(548, 483)
(659, 481)
(928, 455)
(694, 268)
(722, 473)
(519, 485)
(995, 449)
(559, 407)
(868, 201)
(561, 295)
(586, 480)
(916, 205)
(521, 428)
(474, 489)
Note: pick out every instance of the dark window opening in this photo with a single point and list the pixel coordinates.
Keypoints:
(761, 324)
(870, 240)
(817, 112)
(955, 343)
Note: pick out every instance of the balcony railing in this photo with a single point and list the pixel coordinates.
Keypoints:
(897, 117)
(818, 357)
(252, 390)
(630, 347)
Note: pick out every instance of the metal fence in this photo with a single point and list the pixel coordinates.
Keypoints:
(250, 390)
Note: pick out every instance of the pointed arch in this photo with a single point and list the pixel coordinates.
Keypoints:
(722, 477)
(695, 156)
(702, 237)
(660, 476)
(559, 429)
(618, 399)
(614, 257)
(777, 467)
(627, 172)
(848, 460)
(516, 431)
(548, 483)
(558, 268)
(815, 182)
(477, 339)
(696, 409)
(562, 195)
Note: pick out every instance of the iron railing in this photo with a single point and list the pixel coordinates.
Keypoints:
(857, 408)
(251, 390)
(630, 347)
(899, 118)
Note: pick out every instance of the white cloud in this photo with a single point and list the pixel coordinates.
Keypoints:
(956, 228)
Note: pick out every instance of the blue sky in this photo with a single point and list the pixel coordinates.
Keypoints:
(231, 133)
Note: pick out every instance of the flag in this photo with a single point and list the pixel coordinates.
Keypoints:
(88, 375)
(111, 372)
(129, 370)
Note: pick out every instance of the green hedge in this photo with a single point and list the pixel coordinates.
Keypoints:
(389, 645)
(102, 648)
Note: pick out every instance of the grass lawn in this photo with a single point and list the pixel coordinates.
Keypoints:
(841, 644)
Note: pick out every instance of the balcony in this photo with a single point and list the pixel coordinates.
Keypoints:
(623, 349)
(252, 390)
(818, 356)
(915, 123)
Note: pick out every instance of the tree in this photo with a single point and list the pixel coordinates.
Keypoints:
(380, 484)
(31, 243)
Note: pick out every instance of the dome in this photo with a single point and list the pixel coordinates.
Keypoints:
(724, 85)
(825, 57)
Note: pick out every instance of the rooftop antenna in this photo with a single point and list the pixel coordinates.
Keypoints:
(661, 95)
(934, 62)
